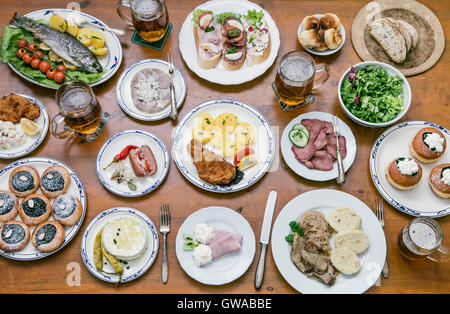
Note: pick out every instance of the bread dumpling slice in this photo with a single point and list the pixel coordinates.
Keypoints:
(390, 39)
(341, 219)
(355, 240)
(345, 260)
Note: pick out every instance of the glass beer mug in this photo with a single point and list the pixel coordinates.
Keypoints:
(149, 17)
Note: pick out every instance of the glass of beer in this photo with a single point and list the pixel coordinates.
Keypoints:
(79, 114)
(296, 79)
(149, 17)
(422, 238)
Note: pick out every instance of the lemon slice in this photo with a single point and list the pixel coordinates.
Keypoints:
(29, 127)
(247, 162)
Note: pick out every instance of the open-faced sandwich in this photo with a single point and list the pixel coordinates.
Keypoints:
(235, 39)
(208, 38)
(258, 43)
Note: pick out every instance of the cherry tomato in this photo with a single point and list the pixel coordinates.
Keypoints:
(21, 52)
(50, 74)
(62, 68)
(22, 43)
(35, 63)
(38, 55)
(44, 66)
(33, 46)
(59, 77)
(27, 58)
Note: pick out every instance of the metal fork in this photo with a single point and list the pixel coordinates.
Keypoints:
(379, 212)
(341, 174)
(173, 101)
(164, 228)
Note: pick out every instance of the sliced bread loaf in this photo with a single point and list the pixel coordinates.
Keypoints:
(390, 39)
(412, 31)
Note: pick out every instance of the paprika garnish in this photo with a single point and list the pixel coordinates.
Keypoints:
(122, 155)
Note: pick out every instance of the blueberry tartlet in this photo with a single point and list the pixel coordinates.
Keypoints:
(48, 236)
(54, 181)
(9, 206)
(440, 180)
(14, 236)
(34, 209)
(404, 173)
(23, 181)
(67, 210)
(428, 145)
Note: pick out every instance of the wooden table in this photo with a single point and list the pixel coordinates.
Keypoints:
(430, 94)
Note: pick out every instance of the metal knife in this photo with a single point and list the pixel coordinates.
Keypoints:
(341, 174)
(264, 238)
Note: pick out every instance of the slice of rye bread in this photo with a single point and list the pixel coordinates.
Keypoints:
(390, 39)
(402, 29)
(412, 31)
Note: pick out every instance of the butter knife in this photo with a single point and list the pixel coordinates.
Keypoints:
(264, 238)
(341, 174)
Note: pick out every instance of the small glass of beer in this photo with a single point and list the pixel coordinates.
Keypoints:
(149, 17)
(296, 79)
(422, 238)
(78, 109)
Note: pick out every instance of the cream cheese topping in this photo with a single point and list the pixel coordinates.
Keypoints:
(446, 176)
(435, 142)
(407, 166)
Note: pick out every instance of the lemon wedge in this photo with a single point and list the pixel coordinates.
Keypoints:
(29, 127)
(247, 162)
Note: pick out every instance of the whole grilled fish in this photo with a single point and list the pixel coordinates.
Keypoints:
(62, 44)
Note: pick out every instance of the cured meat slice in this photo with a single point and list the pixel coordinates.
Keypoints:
(304, 153)
(224, 243)
(322, 160)
(321, 140)
(328, 127)
(314, 126)
(309, 164)
(332, 148)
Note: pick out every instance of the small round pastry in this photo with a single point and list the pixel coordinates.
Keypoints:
(67, 210)
(404, 173)
(311, 22)
(34, 209)
(330, 20)
(332, 38)
(54, 181)
(9, 206)
(48, 236)
(14, 236)
(428, 145)
(439, 180)
(23, 181)
(309, 39)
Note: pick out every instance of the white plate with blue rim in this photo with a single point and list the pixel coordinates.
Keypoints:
(264, 146)
(324, 201)
(228, 267)
(110, 63)
(31, 142)
(75, 188)
(394, 143)
(131, 269)
(114, 145)
(123, 89)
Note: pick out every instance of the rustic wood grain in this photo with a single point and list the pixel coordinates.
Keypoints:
(430, 101)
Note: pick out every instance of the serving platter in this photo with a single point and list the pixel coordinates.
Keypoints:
(393, 143)
(226, 268)
(75, 188)
(264, 147)
(314, 174)
(110, 64)
(324, 201)
(114, 146)
(133, 269)
(32, 141)
(123, 89)
(218, 74)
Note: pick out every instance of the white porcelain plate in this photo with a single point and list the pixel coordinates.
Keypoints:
(115, 144)
(314, 174)
(132, 269)
(394, 143)
(226, 268)
(32, 141)
(264, 143)
(218, 74)
(324, 201)
(123, 89)
(75, 189)
(110, 63)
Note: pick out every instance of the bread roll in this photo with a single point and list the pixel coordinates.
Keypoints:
(311, 22)
(330, 20)
(309, 39)
(332, 38)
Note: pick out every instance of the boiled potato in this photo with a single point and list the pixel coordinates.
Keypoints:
(58, 23)
(200, 135)
(72, 29)
(98, 39)
(205, 120)
(245, 134)
(229, 147)
(217, 137)
(85, 36)
(226, 121)
(99, 51)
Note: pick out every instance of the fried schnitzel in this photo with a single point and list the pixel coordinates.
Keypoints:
(211, 167)
(14, 107)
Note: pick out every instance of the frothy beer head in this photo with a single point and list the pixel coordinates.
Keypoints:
(297, 69)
